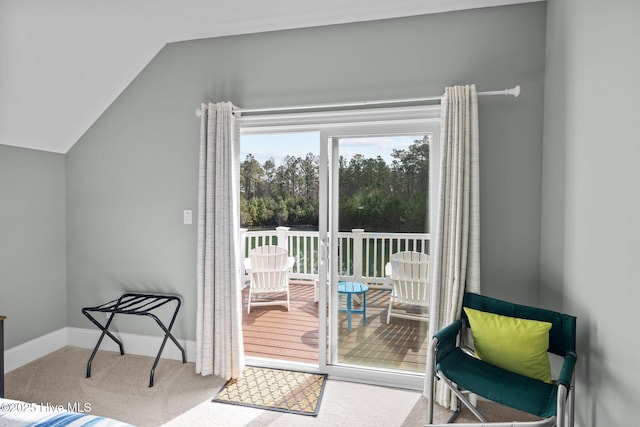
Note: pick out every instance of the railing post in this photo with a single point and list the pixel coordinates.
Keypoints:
(281, 234)
(357, 253)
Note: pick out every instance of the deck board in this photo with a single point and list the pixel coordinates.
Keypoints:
(274, 332)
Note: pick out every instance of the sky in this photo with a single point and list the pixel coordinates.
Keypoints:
(279, 145)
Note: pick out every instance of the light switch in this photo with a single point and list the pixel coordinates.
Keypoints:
(187, 216)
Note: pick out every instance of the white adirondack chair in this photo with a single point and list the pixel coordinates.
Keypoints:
(268, 268)
(410, 285)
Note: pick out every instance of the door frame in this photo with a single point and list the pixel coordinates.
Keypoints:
(332, 126)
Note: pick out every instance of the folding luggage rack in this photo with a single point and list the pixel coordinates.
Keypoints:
(139, 304)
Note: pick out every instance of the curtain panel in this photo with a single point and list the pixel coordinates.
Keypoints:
(456, 251)
(219, 344)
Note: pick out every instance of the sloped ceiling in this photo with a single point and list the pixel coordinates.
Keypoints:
(63, 62)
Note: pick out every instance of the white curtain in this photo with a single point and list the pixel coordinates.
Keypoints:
(219, 348)
(456, 252)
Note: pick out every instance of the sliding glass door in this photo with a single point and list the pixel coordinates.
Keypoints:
(374, 171)
(379, 205)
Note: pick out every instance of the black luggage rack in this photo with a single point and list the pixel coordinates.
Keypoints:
(139, 304)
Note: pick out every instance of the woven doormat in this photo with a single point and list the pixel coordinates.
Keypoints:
(275, 390)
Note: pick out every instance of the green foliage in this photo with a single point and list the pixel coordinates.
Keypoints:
(372, 195)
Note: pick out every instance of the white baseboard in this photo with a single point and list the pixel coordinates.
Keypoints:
(29, 351)
(140, 345)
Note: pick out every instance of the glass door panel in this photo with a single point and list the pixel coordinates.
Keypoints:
(279, 204)
(380, 199)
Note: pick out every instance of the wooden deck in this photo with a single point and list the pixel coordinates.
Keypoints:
(272, 332)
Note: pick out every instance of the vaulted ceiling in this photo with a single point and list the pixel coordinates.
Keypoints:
(63, 62)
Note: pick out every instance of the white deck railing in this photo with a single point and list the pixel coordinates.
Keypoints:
(362, 255)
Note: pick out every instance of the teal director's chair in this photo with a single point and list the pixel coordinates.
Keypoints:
(509, 362)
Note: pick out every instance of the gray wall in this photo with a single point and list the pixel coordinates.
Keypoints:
(591, 198)
(131, 175)
(33, 291)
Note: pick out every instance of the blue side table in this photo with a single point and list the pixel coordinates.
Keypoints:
(350, 289)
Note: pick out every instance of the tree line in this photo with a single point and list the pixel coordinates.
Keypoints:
(373, 195)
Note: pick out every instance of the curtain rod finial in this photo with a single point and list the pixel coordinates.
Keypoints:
(514, 91)
(198, 112)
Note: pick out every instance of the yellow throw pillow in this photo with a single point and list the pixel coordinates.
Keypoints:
(514, 344)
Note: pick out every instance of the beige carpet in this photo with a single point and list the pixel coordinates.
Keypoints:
(119, 389)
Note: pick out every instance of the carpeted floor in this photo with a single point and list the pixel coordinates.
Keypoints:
(119, 389)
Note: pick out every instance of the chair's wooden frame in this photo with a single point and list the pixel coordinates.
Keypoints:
(269, 267)
(409, 284)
